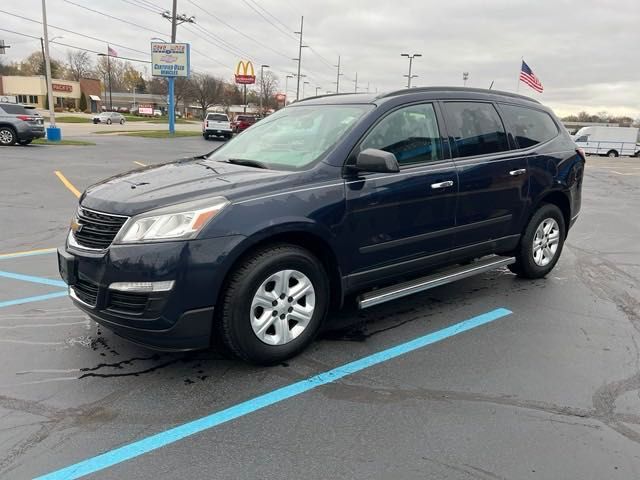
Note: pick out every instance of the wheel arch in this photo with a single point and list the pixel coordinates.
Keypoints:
(298, 235)
(561, 200)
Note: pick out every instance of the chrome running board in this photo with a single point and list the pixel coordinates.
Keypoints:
(425, 283)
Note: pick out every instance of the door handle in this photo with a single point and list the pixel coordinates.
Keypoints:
(448, 183)
(520, 171)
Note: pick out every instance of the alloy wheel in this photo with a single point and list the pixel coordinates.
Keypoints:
(545, 242)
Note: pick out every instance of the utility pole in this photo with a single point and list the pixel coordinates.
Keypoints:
(175, 21)
(356, 83)
(338, 75)
(262, 67)
(465, 77)
(367, 87)
(47, 63)
(299, 59)
(109, 70)
(410, 57)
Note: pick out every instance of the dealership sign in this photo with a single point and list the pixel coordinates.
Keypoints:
(245, 75)
(145, 110)
(170, 59)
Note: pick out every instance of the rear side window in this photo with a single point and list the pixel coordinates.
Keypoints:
(217, 118)
(476, 128)
(14, 109)
(529, 126)
(410, 133)
(583, 138)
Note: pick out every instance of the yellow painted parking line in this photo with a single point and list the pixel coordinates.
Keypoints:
(620, 173)
(27, 253)
(67, 184)
(140, 163)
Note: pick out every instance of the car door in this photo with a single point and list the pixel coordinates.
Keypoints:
(493, 179)
(400, 222)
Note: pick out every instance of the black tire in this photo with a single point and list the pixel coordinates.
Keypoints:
(612, 154)
(7, 136)
(109, 121)
(234, 322)
(525, 265)
(206, 136)
(121, 122)
(25, 142)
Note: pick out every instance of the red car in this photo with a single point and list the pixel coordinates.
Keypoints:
(242, 122)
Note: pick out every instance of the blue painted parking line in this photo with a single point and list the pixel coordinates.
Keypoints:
(32, 279)
(148, 444)
(36, 298)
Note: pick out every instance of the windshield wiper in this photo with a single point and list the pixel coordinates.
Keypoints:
(247, 162)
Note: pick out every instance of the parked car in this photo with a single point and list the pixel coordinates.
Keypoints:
(242, 122)
(157, 113)
(123, 110)
(19, 124)
(609, 141)
(383, 196)
(216, 125)
(109, 118)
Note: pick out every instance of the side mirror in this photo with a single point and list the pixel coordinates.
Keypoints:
(374, 160)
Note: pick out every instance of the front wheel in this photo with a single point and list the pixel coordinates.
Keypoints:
(121, 122)
(274, 304)
(109, 122)
(541, 244)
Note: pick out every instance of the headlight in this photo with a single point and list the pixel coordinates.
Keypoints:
(180, 221)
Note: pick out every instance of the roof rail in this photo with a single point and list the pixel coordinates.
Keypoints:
(407, 91)
(329, 95)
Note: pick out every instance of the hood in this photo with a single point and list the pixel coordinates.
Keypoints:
(167, 184)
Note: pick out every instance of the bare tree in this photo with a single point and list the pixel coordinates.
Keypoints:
(79, 64)
(206, 91)
(269, 89)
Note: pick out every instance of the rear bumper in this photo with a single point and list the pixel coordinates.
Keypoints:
(30, 134)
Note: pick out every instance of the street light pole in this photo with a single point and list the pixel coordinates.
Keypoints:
(338, 75)
(465, 77)
(262, 67)
(317, 88)
(286, 87)
(47, 66)
(303, 85)
(356, 83)
(299, 57)
(410, 57)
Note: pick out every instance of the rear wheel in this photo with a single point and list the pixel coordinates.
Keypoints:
(612, 154)
(7, 136)
(541, 244)
(274, 304)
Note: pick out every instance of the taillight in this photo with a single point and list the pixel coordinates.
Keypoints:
(26, 118)
(580, 152)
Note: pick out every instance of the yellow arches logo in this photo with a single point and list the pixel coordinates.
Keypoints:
(245, 74)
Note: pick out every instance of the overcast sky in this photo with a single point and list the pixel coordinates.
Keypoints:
(586, 53)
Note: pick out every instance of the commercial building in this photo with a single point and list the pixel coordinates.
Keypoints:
(66, 93)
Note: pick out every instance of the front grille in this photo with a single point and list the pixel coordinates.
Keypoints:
(86, 291)
(97, 229)
(128, 302)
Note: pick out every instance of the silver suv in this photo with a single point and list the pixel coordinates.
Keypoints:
(19, 124)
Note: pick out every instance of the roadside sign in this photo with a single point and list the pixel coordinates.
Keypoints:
(245, 74)
(170, 59)
(145, 109)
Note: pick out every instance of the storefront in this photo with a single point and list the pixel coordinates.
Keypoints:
(66, 93)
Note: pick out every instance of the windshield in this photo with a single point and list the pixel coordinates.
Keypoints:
(293, 137)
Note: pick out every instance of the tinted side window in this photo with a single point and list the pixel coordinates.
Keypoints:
(476, 128)
(410, 133)
(14, 109)
(529, 126)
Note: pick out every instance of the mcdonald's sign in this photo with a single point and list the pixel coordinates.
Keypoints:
(245, 74)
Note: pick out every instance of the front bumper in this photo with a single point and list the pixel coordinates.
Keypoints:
(179, 319)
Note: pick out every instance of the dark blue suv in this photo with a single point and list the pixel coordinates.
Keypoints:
(337, 195)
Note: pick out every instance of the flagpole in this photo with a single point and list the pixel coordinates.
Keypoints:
(518, 79)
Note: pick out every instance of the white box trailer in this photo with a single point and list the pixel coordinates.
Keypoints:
(610, 141)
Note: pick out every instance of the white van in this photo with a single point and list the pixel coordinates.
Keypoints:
(609, 141)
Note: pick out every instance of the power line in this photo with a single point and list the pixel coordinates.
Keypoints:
(277, 27)
(286, 27)
(261, 44)
(143, 6)
(116, 18)
(74, 33)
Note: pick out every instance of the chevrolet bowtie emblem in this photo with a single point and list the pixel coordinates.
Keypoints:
(75, 226)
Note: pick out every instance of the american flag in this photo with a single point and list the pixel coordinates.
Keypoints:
(527, 76)
(111, 52)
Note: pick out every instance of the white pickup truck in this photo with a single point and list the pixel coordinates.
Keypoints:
(609, 141)
(216, 125)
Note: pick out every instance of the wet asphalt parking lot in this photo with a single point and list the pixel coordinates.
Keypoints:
(548, 391)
